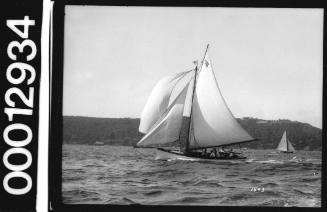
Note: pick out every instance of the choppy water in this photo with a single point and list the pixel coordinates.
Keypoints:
(124, 175)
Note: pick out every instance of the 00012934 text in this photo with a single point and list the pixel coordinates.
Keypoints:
(17, 146)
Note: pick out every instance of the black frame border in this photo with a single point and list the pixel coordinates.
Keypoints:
(56, 119)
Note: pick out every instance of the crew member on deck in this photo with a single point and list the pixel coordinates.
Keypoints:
(218, 155)
(204, 152)
(222, 152)
(215, 151)
(212, 153)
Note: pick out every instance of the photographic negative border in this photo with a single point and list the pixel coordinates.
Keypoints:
(56, 119)
(20, 26)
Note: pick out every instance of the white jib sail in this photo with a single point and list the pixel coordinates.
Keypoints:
(158, 101)
(283, 143)
(167, 129)
(290, 146)
(212, 122)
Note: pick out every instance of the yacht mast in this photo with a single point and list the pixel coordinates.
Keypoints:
(190, 123)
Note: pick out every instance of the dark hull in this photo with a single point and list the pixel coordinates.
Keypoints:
(286, 152)
(194, 156)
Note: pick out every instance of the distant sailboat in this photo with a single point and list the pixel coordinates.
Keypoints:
(196, 118)
(285, 145)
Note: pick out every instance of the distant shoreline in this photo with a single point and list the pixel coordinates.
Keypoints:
(124, 132)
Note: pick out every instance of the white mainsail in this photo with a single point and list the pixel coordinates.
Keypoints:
(282, 146)
(167, 129)
(285, 145)
(158, 101)
(212, 122)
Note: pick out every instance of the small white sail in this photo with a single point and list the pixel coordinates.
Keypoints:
(283, 143)
(290, 146)
(212, 122)
(158, 101)
(167, 129)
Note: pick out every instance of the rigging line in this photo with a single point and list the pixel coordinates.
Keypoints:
(179, 79)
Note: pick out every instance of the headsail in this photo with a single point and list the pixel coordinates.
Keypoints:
(167, 128)
(290, 146)
(212, 122)
(158, 101)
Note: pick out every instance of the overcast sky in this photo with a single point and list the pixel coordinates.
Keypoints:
(268, 62)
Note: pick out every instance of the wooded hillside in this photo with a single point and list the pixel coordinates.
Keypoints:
(124, 131)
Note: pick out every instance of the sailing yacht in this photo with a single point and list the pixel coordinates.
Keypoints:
(189, 110)
(285, 145)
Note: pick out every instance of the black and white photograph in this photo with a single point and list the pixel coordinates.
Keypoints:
(208, 106)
